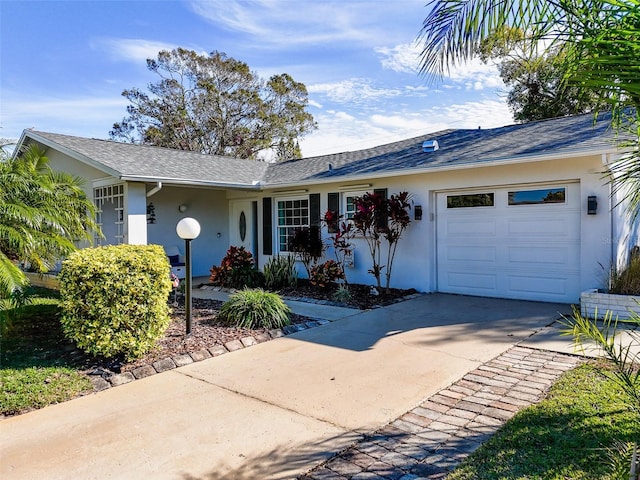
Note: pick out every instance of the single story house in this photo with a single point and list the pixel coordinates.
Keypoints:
(521, 211)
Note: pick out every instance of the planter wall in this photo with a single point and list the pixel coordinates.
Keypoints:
(619, 305)
(43, 280)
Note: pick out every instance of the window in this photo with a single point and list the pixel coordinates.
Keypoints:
(109, 202)
(537, 197)
(349, 201)
(471, 200)
(292, 214)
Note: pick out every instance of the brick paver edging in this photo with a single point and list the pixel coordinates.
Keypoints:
(433, 438)
(103, 379)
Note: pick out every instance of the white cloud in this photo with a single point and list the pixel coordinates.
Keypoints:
(404, 58)
(131, 49)
(353, 90)
(274, 22)
(475, 75)
(339, 131)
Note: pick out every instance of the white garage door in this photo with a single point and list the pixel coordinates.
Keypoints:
(515, 242)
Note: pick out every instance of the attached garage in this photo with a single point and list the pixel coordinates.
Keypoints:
(512, 242)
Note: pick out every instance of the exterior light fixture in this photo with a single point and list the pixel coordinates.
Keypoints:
(592, 205)
(183, 208)
(188, 229)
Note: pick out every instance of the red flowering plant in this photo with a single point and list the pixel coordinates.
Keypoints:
(236, 270)
(324, 274)
(343, 233)
(398, 207)
(369, 221)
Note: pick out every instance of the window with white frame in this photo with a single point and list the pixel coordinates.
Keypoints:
(349, 203)
(293, 213)
(109, 202)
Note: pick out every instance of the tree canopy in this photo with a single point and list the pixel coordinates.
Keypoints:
(215, 104)
(536, 79)
(42, 214)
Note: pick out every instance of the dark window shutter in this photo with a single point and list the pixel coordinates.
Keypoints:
(382, 218)
(267, 230)
(314, 209)
(333, 205)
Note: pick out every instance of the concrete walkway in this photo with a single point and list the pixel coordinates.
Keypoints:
(277, 409)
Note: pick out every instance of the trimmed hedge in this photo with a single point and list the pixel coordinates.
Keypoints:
(114, 299)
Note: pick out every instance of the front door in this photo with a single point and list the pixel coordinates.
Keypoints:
(241, 225)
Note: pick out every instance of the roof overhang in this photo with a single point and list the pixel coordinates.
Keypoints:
(28, 134)
(495, 162)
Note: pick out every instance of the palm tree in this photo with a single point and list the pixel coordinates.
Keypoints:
(599, 41)
(43, 216)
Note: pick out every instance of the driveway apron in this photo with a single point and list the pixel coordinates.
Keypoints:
(276, 409)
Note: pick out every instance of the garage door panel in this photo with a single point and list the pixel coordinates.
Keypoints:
(532, 285)
(469, 254)
(537, 256)
(461, 226)
(527, 251)
(481, 282)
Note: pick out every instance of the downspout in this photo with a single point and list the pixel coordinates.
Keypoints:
(155, 189)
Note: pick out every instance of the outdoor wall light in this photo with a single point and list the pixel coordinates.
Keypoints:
(417, 212)
(592, 205)
(183, 208)
(188, 229)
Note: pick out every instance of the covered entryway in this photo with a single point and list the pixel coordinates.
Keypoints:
(518, 242)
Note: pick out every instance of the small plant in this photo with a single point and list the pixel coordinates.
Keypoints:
(342, 295)
(307, 245)
(324, 274)
(255, 308)
(236, 270)
(280, 272)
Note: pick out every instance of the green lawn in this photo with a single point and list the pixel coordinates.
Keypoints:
(35, 367)
(572, 434)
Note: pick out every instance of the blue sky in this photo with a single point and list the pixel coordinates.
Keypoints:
(64, 64)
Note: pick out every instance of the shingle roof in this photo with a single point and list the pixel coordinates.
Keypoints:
(559, 136)
(456, 148)
(144, 161)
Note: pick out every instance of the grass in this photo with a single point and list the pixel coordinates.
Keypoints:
(573, 434)
(35, 367)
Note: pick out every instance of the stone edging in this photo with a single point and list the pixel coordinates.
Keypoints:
(430, 440)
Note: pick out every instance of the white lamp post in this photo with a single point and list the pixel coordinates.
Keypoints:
(188, 229)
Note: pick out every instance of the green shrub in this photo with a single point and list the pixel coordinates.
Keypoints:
(236, 270)
(254, 308)
(342, 294)
(280, 272)
(324, 274)
(114, 299)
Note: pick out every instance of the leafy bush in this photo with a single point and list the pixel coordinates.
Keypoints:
(323, 274)
(254, 308)
(114, 299)
(236, 270)
(280, 272)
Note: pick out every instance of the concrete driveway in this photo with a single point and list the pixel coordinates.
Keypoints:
(276, 409)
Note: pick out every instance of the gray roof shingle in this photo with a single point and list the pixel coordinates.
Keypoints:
(130, 160)
(456, 148)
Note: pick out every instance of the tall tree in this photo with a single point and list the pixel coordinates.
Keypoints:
(43, 214)
(216, 105)
(600, 41)
(537, 80)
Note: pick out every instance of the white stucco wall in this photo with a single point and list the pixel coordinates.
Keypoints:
(415, 263)
(209, 207)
